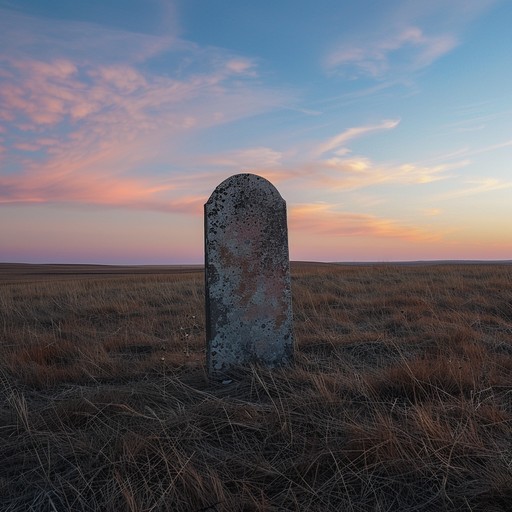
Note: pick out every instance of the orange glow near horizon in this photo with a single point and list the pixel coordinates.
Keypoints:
(385, 140)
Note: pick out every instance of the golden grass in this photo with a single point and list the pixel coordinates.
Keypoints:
(400, 397)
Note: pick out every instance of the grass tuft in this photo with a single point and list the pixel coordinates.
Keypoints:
(400, 397)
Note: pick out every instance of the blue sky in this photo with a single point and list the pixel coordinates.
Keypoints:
(386, 126)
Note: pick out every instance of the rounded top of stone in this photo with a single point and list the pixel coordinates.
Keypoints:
(247, 182)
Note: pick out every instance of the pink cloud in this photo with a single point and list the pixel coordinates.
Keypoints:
(43, 92)
(59, 69)
(103, 127)
(122, 77)
(323, 219)
(241, 66)
(67, 184)
(352, 173)
(51, 92)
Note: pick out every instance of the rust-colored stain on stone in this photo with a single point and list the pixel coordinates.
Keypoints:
(248, 293)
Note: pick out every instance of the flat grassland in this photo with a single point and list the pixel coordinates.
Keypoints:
(400, 397)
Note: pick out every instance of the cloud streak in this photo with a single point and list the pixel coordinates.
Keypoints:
(337, 142)
(97, 131)
(411, 36)
(477, 187)
(324, 219)
(106, 118)
(330, 165)
(409, 50)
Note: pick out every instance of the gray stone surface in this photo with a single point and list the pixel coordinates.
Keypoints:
(248, 294)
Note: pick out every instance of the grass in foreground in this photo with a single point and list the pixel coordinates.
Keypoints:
(400, 398)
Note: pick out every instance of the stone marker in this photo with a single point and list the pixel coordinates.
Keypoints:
(248, 294)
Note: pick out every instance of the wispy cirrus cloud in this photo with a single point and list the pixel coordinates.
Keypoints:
(408, 50)
(357, 173)
(47, 39)
(477, 187)
(410, 37)
(337, 142)
(330, 164)
(97, 128)
(325, 219)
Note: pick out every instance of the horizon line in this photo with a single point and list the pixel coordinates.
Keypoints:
(318, 262)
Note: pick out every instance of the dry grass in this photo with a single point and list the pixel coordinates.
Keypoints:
(400, 397)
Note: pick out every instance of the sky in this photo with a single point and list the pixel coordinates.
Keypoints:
(386, 126)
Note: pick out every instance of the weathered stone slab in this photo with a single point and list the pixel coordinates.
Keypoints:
(248, 293)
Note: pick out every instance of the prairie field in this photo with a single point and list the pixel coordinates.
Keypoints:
(399, 399)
